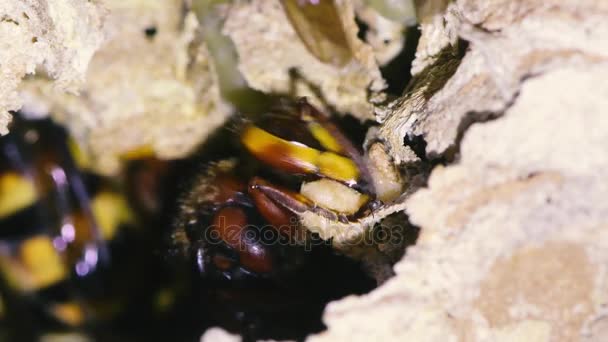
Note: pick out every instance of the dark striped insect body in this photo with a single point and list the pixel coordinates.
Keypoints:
(238, 220)
(225, 234)
(235, 207)
(66, 256)
(329, 175)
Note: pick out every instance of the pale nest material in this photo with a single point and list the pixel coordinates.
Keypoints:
(514, 236)
(488, 77)
(386, 37)
(145, 92)
(355, 238)
(219, 335)
(520, 240)
(59, 36)
(268, 48)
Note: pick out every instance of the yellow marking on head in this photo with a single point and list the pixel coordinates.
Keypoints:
(81, 158)
(292, 156)
(69, 313)
(40, 257)
(139, 152)
(110, 210)
(324, 137)
(36, 266)
(16, 192)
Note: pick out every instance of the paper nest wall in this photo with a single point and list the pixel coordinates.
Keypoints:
(150, 87)
(514, 232)
(57, 36)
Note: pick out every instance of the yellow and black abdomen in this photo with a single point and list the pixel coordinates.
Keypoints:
(61, 230)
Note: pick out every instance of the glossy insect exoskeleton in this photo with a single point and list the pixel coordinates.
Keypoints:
(70, 253)
(232, 240)
(239, 228)
(331, 175)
